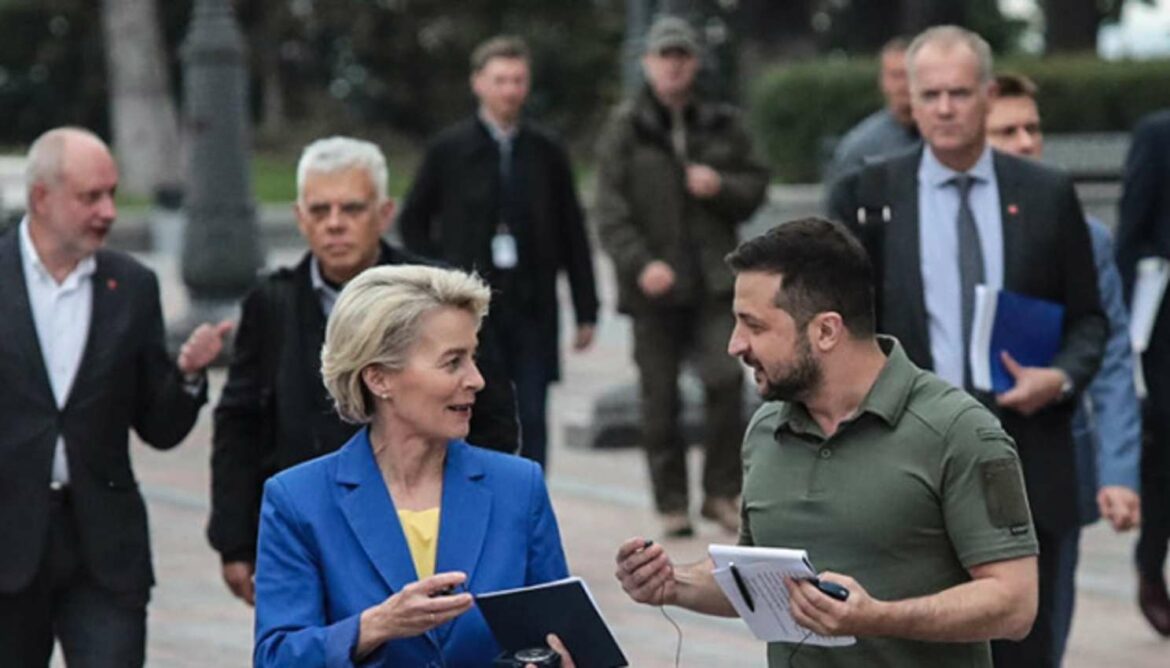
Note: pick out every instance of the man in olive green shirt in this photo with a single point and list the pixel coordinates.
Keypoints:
(906, 489)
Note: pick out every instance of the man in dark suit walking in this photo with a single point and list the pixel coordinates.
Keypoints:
(495, 194)
(82, 361)
(940, 220)
(1144, 231)
(274, 411)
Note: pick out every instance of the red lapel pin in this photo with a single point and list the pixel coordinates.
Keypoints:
(1013, 209)
(111, 284)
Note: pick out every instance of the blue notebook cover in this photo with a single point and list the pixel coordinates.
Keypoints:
(1030, 329)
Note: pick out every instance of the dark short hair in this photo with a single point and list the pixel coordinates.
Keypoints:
(500, 46)
(1011, 84)
(824, 268)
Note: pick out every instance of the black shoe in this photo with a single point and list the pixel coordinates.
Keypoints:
(1154, 602)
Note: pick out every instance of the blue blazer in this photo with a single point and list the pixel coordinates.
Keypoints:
(331, 546)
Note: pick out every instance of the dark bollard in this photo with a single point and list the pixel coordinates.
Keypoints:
(221, 249)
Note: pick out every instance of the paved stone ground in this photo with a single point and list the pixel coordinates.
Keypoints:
(601, 498)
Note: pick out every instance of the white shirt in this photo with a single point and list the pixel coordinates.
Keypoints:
(62, 314)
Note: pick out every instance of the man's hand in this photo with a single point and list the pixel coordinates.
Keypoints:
(584, 337)
(1036, 387)
(645, 571)
(703, 182)
(559, 647)
(202, 347)
(826, 616)
(238, 576)
(1121, 506)
(656, 279)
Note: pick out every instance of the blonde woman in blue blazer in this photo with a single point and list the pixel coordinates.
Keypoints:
(355, 546)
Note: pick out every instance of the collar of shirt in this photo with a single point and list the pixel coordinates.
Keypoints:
(886, 399)
(326, 293)
(938, 175)
(497, 133)
(35, 269)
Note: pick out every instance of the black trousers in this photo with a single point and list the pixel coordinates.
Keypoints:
(1155, 475)
(96, 628)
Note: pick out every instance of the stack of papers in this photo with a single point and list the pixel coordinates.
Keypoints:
(763, 570)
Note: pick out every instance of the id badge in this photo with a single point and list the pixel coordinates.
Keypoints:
(504, 250)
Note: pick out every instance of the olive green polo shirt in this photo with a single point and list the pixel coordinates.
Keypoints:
(919, 486)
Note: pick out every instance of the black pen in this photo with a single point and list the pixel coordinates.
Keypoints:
(742, 586)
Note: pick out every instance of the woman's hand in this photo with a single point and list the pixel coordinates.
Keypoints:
(418, 608)
(559, 647)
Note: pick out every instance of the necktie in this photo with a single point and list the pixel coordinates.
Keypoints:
(507, 184)
(970, 263)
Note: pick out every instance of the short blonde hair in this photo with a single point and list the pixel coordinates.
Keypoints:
(376, 321)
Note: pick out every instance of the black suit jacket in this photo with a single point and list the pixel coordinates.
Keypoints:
(452, 212)
(125, 379)
(1047, 254)
(275, 412)
(1144, 231)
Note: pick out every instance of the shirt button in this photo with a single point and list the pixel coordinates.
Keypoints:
(826, 453)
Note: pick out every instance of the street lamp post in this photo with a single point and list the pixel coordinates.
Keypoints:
(221, 247)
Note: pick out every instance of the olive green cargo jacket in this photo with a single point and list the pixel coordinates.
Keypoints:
(644, 213)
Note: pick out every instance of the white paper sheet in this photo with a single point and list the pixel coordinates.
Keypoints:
(763, 571)
(1148, 289)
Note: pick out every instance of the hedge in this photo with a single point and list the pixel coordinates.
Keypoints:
(797, 110)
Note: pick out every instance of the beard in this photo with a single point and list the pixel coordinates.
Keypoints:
(791, 382)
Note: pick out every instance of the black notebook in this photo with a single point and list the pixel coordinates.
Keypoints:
(521, 618)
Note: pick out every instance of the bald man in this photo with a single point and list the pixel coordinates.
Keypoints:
(82, 361)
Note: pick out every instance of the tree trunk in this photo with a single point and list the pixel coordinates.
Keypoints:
(1071, 25)
(142, 113)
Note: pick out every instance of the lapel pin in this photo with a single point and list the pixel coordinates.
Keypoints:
(111, 284)
(1013, 209)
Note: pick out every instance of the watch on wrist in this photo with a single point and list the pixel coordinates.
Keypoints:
(1066, 388)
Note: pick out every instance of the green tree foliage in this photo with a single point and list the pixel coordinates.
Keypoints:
(405, 62)
(797, 111)
(337, 64)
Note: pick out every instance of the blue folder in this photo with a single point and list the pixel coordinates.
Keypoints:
(1029, 329)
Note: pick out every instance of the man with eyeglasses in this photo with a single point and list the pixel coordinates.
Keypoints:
(274, 411)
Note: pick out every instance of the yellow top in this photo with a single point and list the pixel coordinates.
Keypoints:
(421, 528)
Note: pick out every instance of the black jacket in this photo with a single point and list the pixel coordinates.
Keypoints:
(1047, 254)
(275, 412)
(1143, 230)
(125, 380)
(453, 209)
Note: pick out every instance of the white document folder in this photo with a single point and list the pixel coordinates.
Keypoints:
(763, 570)
(1148, 289)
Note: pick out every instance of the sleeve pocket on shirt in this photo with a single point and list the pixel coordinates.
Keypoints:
(1003, 492)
